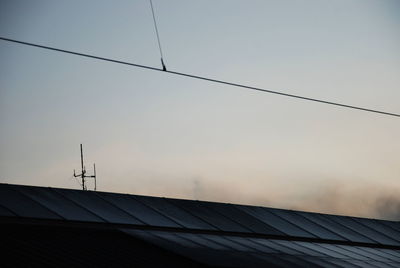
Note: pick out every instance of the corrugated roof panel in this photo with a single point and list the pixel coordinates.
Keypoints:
(299, 249)
(142, 212)
(379, 227)
(376, 264)
(271, 244)
(233, 213)
(203, 211)
(392, 252)
(342, 263)
(366, 264)
(319, 248)
(179, 215)
(362, 255)
(59, 204)
(172, 237)
(320, 262)
(392, 224)
(371, 254)
(306, 253)
(390, 255)
(22, 205)
(228, 243)
(343, 251)
(96, 205)
(385, 255)
(336, 228)
(264, 215)
(247, 242)
(306, 224)
(196, 238)
(366, 231)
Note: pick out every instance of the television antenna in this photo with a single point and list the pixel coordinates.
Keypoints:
(83, 175)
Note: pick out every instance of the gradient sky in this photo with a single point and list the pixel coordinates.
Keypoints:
(156, 134)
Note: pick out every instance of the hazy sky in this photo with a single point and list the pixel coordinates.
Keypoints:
(156, 134)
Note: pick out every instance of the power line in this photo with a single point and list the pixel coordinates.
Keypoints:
(203, 78)
(158, 36)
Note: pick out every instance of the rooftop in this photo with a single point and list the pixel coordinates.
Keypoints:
(52, 226)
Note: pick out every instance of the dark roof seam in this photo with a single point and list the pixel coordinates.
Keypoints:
(345, 227)
(372, 253)
(155, 210)
(355, 264)
(389, 226)
(394, 262)
(266, 246)
(244, 245)
(326, 249)
(373, 230)
(194, 215)
(326, 259)
(348, 230)
(313, 249)
(187, 239)
(243, 209)
(56, 192)
(118, 208)
(319, 225)
(219, 243)
(323, 227)
(271, 211)
(386, 253)
(165, 239)
(324, 255)
(229, 218)
(338, 252)
(79, 205)
(364, 253)
(273, 242)
(37, 202)
(233, 220)
(390, 253)
(376, 229)
(248, 214)
(182, 237)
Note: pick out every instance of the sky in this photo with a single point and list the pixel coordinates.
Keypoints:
(152, 133)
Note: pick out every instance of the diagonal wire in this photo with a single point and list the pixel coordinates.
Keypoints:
(204, 78)
(156, 29)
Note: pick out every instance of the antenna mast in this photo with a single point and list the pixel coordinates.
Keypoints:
(83, 174)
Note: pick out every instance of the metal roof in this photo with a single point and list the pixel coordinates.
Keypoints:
(213, 234)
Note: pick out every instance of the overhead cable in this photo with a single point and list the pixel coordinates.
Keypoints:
(204, 78)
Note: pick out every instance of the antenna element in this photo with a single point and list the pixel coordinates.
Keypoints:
(83, 174)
